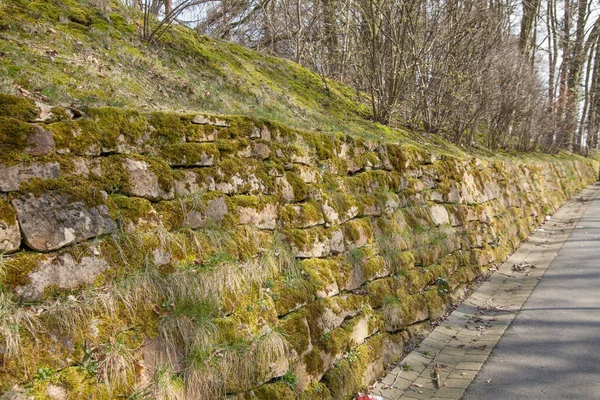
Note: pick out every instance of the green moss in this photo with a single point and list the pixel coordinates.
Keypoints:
(251, 172)
(298, 186)
(374, 181)
(358, 232)
(68, 136)
(400, 313)
(317, 391)
(8, 215)
(13, 140)
(201, 133)
(336, 342)
(277, 390)
(295, 329)
(323, 274)
(372, 159)
(303, 215)
(437, 303)
(292, 292)
(375, 267)
(17, 107)
(18, 267)
(247, 202)
(132, 210)
(169, 128)
(79, 384)
(232, 147)
(313, 362)
(345, 205)
(75, 188)
(345, 379)
(114, 126)
(190, 154)
(240, 126)
(322, 143)
(113, 177)
(303, 240)
(407, 260)
(417, 279)
(171, 214)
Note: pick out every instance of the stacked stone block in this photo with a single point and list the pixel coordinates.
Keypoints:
(384, 237)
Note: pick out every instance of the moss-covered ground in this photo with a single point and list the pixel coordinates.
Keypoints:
(69, 52)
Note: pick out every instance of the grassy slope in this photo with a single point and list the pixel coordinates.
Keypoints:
(66, 51)
(71, 52)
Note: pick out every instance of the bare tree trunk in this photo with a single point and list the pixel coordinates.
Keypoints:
(530, 11)
(594, 111)
(330, 34)
(577, 61)
(586, 101)
(566, 134)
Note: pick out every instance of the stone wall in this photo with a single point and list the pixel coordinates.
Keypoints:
(315, 257)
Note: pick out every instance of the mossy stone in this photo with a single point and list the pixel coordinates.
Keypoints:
(20, 108)
(114, 127)
(169, 128)
(277, 390)
(13, 140)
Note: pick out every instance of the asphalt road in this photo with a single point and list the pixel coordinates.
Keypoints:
(552, 348)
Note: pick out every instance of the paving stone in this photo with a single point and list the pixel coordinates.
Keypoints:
(388, 379)
(466, 309)
(492, 336)
(402, 383)
(429, 351)
(443, 372)
(424, 382)
(467, 335)
(417, 361)
(462, 374)
(472, 366)
(454, 351)
(389, 393)
(418, 393)
(410, 375)
(448, 359)
(457, 344)
(456, 383)
(457, 321)
(432, 343)
(450, 330)
(440, 336)
(475, 357)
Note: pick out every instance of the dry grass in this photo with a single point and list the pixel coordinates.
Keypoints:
(187, 302)
(165, 386)
(250, 363)
(116, 364)
(14, 322)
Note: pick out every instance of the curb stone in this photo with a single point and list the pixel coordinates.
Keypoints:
(455, 351)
